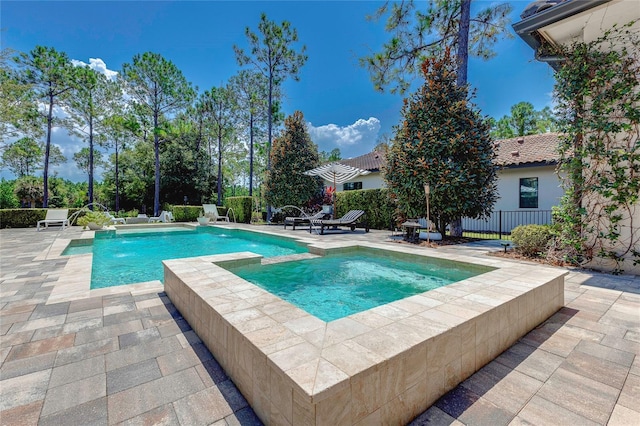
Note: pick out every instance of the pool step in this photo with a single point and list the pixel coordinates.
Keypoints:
(289, 258)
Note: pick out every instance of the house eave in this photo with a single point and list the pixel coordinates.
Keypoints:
(528, 28)
(527, 165)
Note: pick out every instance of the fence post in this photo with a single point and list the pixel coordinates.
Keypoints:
(499, 224)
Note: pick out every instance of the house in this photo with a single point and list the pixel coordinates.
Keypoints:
(528, 185)
(372, 162)
(548, 23)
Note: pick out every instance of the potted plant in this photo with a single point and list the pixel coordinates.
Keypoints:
(94, 220)
(202, 219)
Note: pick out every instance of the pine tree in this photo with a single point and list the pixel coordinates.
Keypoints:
(292, 154)
(443, 141)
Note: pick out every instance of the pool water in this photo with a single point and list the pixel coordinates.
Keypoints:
(336, 286)
(136, 255)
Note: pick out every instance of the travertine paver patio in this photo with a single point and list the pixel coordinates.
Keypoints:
(126, 356)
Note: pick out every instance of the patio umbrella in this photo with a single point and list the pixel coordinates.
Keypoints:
(337, 173)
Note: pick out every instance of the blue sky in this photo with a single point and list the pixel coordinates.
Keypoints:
(334, 93)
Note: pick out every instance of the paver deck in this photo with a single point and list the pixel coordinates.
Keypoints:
(126, 355)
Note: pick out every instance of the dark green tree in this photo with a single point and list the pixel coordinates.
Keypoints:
(251, 90)
(120, 131)
(333, 155)
(293, 154)
(8, 199)
(18, 108)
(524, 120)
(87, 161)
(88, 105)
(442, 141)
(23, 157)
(48, 72)
(159, 89)
(271, 55)
(220, 111)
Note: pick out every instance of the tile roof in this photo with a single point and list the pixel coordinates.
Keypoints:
(513, 152)
(372, 161)
(529, 149)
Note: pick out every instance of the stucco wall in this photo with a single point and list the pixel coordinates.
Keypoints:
(549, 189)
(370, 181)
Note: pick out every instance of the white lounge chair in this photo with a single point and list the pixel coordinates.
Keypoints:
(116, 220)
(54, 217)
(211, 211)
(164, 216)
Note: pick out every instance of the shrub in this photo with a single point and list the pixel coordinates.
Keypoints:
(186, 213)
(531, 240)
(27, 218)
(97, 217)
(379, 210)
(242, 208)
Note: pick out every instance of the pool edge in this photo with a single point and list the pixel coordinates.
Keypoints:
(294, 369)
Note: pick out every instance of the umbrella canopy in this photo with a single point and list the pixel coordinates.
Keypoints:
(337, 173)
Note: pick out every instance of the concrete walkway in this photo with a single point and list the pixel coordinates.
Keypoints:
(130, 358)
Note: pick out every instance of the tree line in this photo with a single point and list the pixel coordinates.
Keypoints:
(157, 130)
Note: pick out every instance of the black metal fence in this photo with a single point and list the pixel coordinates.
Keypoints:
(502, 222)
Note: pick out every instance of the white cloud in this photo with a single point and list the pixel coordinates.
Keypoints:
(98, 65)
(353, 140)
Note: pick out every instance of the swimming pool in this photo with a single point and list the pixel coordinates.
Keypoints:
(136, 255)
(339, 285)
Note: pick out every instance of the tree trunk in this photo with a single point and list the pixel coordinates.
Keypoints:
(91, 163)
(156, 147)
(251, 154)
(117, 183)
(463, 60)
(47, 151)
(269, 124)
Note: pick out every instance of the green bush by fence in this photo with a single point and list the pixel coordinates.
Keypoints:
(531, 240)
(242, 208)
(379, 210)
(185, 213)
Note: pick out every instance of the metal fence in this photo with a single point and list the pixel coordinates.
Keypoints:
(502, 222)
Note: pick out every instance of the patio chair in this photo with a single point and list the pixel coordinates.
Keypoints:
(350, 219)
(54, 217)
(116, 220)
(164, 217)
(303, 220)
(211, 211)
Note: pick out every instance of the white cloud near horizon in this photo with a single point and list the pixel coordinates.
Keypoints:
(96, 64)
(353, 140)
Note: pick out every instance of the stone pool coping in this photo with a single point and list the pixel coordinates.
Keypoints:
(74, 283)
(384, 365)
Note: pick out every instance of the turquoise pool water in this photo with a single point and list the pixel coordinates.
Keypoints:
(340, 285)
(136, 255)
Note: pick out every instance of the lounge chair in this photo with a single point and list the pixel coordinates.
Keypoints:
(211, 211)
(350, 219)
(164, 216)
(302, 220)
(54, 217)
(116, 220)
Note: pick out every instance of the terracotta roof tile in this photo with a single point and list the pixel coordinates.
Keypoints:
(372, 161)
(511, 152)
(529, 149)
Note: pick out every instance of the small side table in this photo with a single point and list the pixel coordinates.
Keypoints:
(411, 231)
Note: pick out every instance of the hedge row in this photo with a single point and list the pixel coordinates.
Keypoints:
(242, 208)
(379, 210)
(28, 218)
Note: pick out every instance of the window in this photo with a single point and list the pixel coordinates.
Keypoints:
(529, 193)
(350, 186)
